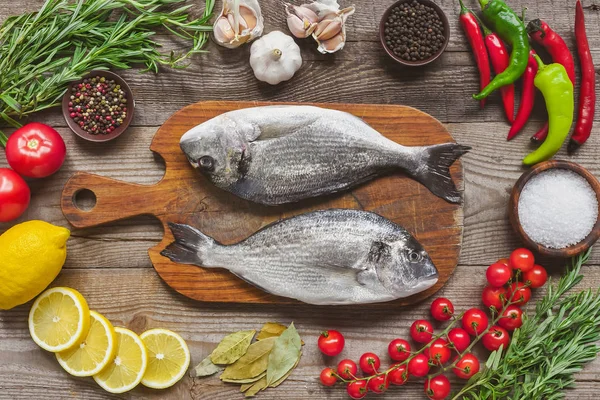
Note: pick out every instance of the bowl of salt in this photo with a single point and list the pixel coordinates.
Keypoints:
(554, 208)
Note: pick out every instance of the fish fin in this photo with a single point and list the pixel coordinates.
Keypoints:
(436, 174)
(189, 245)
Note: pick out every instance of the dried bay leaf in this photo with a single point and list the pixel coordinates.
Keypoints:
(253, 363)
(232, 347)
(257, 387)
(270, 329)
(207, 368)
(283, 378)
(245, 381)
(285, 354)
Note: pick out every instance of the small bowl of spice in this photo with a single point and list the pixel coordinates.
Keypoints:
(554, 207)
(99, 107)
(414, 32)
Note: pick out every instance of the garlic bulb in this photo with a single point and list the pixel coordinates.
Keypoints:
(275, 58)
(240, 21)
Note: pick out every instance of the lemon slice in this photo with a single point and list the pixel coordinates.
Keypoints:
(129, 365)
(94, 352)
(168, 358)
(59, 319)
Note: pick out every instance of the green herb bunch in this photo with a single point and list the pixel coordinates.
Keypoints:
(548, 349)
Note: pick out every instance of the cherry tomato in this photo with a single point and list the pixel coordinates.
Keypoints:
(498, 274)
(474, 321)
(328, 377)
(466, 367)
(369, 363)
(496, 337)
(347, 369)
(511, 318)
(331, 343)
(14, 195)
(418, 365)
(442, 309)
(35, 150)
(521, 294)
(439, 352)
(521, 259)
(437, 388)
(504, 261)
(459, 338)
(421, 331)
(494, 297)
(378, 384)
(399, 349)
(357, 389)
(399, 375)
(536, 277)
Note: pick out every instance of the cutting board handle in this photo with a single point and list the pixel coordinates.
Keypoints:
(114, 200)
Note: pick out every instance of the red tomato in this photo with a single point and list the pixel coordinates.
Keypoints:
(399, 375)
(466, 367)
(421, 331)
(331, 343)
(459, 338)
(511, 318)
(35, 150)
(357, 389)
(498, 274)
(369, 363)
(347, 369)
(437, 388)
(504, 261)
(496, 337)
(494, 297)
(521, 259)
(439, 352)
(328, 377)
(474, 321)
(399, 349)
(536, 277)
(521, 294)
(442, 309)
(14, 195)
(418, 365)
(378, 384)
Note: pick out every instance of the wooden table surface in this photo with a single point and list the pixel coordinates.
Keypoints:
(110, 264)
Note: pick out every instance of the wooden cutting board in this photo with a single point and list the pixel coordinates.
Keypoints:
(184, 196)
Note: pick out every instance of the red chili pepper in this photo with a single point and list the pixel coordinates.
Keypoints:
(474, 35)
(587, 92)
(542, 34)
(527, 97)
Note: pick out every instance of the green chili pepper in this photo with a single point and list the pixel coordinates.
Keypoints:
(556, 86)
(511, 29)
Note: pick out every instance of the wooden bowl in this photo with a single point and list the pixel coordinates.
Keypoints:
(117, 132)
(513, 208)
(419, 63)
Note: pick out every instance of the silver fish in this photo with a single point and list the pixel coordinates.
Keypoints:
(335, 256)
(281, 154)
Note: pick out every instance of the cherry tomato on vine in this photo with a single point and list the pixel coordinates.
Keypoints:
(399, 375)
(399, 349)
(466, 367)
(521, 294)
(536, 277)
(357, 389)
(439, 352)
(331, 343)
(459, 338)
(521, 259)
(494, 297)
(14, 195)
(418, 365)
(347, 369)
(442, 309)
(378, 384)
(421, 331)
(474, 321)
(511, 318)
(498, 274)
(437, 388)
(328, 377)
(369, 363)
(496, 337)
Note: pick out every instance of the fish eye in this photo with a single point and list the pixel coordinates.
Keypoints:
(207, 163)
(414, 257)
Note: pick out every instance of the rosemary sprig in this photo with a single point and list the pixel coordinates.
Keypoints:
(548, 349)
(40, 53)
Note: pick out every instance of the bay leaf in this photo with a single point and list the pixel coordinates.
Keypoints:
(206, 368)
(257, 387)
(285, 353)
(232, 347)
(283, 378)
(270, 329)
(245, 381)
(251, 364)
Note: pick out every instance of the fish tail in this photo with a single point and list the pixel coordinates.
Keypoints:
(189, 246)
(436, 174)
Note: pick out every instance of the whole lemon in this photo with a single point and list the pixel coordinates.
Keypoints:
(31, 256)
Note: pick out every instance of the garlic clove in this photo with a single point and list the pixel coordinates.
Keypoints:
(223, 30)
(332, 45)
(300, 28)
(327, 29)
(306, 13)
(245, 21)
(248, 16)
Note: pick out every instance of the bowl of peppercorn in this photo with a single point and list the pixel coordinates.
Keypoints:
(99, 107)
(414, 32)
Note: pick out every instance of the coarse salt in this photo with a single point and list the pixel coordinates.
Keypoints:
(558, 208)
